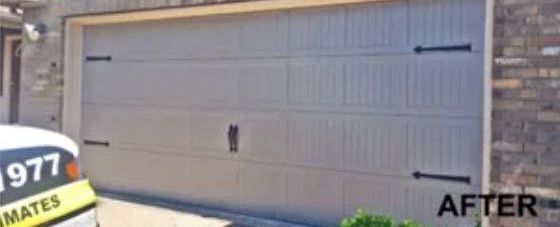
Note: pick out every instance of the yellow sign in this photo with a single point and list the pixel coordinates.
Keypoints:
(47, 206)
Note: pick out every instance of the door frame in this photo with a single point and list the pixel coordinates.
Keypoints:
(73, 62)
(5, 109)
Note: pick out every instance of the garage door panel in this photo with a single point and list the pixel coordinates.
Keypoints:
(217, 178)
(210, 34)
(317, 29)
(313, 196)
(378, 25)
(152, 174)
(209, 132)
(170, 130)
(376, 83)
(263, 137)
(265, 33)
(381, 27)
(163, 83)
(335, 110)
(445, 22)
(316, 140)
(97, 38)
(103, 38)
(132, 83)
(98, 88)
(136, 127)
(263, 82)
(373, 144)
(126, 170)
(443, 147)
(212, 83)
(377, 195)
(204, 37)
(316, 82)
(445, 84)
(262, 188)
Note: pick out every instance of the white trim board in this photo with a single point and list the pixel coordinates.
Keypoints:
(487, 101)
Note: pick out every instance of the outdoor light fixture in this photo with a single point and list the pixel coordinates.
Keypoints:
(35, 31)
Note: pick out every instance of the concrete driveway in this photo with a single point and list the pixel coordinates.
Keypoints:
(117, 212)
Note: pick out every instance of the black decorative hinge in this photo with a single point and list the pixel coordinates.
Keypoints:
(466, 47)
(99, 58)
(465, 179)
(96, 143)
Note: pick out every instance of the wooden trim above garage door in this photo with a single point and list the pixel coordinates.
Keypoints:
(207, 10)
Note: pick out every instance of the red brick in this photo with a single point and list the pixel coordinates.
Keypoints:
(544, 40)
(521, 72)
(518, 179)
(507, 83)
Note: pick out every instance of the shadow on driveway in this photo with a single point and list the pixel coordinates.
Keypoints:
(116, 210)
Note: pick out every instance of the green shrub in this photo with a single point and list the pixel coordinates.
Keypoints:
(364, 219)
(409, 223)
(477, 219)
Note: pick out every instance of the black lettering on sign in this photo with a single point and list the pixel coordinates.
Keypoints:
(55, 201)
(487, 199)
(45, 204)
(25, 213)
(465, 203)
(447, 206)
(508, 205)
(11, 217)
(527, 202)
(35, 207)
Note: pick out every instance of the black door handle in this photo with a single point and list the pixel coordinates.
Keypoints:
(233, 138)
(96, 143)
(230, 137)
(465, 179)
(466, 47)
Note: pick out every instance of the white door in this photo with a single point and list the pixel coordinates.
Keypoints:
(334, 107)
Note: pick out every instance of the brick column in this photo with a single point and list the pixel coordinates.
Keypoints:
(526, 106)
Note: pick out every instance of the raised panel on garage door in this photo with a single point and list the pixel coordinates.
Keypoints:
(165, 176)
(162, 83)
(207, 37)
(335, 109)
(445, 22)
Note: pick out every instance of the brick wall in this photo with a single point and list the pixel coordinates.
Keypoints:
(526, 105)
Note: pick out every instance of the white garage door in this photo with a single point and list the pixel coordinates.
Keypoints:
(333, 107)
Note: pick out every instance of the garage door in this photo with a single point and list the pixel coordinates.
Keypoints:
(301, 115)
